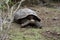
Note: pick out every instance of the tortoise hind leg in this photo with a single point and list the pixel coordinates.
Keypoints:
(37, 24)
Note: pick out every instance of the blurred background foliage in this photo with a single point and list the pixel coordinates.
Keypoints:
(35, 2)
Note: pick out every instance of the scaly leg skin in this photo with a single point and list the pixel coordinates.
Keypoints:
(38, 25)
(23, 25)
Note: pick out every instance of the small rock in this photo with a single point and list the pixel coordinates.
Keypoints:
(46, 12)
(56, 18)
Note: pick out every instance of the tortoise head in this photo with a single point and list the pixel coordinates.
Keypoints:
(33, 18)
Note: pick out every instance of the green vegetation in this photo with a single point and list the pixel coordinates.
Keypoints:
(46, 14)
(17, 33)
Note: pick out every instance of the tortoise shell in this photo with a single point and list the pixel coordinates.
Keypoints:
(25, 12)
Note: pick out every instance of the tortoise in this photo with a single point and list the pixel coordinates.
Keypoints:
(26, 16)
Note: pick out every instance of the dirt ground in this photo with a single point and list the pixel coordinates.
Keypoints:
(50, 20)
(50, 17)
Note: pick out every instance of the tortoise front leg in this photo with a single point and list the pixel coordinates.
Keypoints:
(25, 24)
